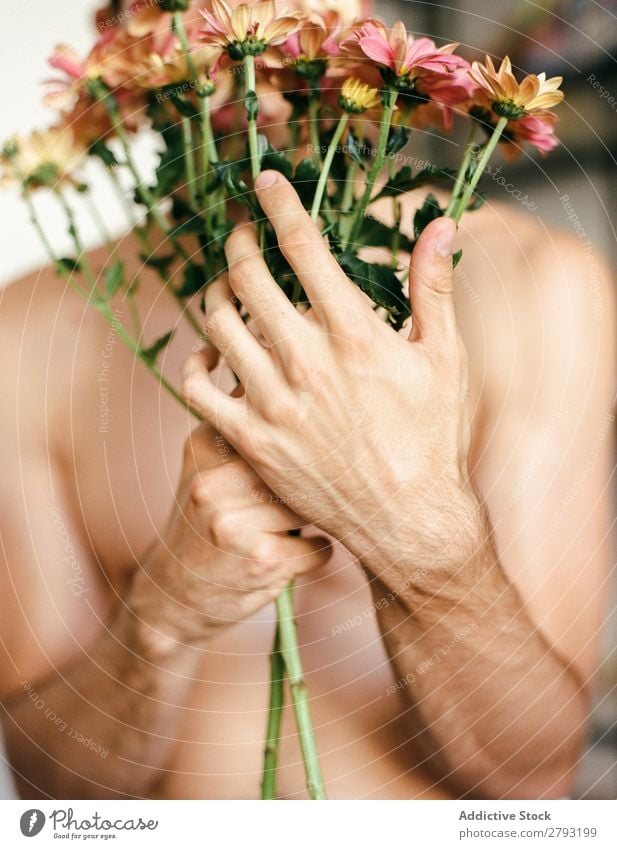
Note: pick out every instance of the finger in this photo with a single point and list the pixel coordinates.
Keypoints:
(223, 413)
(255, 287)
(234, 340)
(202, 450)
(275, 560)
(229, 525)
(302, 554)
(431, 283)
(209, 355)
(329, 289)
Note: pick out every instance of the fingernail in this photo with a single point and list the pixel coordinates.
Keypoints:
(443, 241)
(265, 179)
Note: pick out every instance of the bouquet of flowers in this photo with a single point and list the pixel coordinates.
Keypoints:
(207, 77)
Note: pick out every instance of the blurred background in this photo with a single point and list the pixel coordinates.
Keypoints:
(573, 38)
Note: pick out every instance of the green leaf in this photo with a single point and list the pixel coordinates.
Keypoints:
(406, 180)
(150, 354)
(236, 187)
(170, 170)
(114, 277)
(195, 277)
(184, 106)
(305, 179)
(251, 104)
(429, 211)
(477, 202)
(193, 225)
(456, 257)
(278, 266)
(377, 234)
(67, 265)
(161, 263)
(397, 139)
(105, 153)
(353, 149)
(276, 160)
(380, 283)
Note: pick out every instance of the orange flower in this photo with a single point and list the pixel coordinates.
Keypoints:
(512, 99)
(44, 158)
(247, 30)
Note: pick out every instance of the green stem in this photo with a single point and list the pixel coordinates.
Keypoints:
(189, 161)
(299, 694)
(482, 162)
(82, 259)
(99, 221)
(346, 202)
(389, 98)
(103, 307)
(275, 716)
(462, 171)
(121, 195)
(142, 234)
(249, 80)
(327, 164)
(209, 151)
(313, 121)
(136, 321)
(144, 239)
(177, 24)
(34, 220)
(144, 193)
(216, 205)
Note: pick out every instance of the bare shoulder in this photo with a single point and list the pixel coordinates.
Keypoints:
(40, 317)
(542, 300)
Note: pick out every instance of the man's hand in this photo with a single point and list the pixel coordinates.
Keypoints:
(360, 429)
(225, 553)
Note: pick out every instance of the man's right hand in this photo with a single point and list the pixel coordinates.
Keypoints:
(225, 552)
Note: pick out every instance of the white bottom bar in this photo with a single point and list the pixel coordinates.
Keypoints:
(309, 825)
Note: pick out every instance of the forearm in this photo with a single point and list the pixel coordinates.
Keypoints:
(492, 706)
(103, 726)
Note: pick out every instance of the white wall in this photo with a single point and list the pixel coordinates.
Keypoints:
(28, 33)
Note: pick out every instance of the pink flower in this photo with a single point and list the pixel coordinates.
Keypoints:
(402, 58)
(77, 71)
(536, 130)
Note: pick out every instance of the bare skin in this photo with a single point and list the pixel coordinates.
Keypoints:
(146, 649)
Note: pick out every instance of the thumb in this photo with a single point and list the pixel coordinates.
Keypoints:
(431, 282)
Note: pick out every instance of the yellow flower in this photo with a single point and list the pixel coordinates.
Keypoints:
(512, 99)
(44, 158)
(247, 30)
(357, 96)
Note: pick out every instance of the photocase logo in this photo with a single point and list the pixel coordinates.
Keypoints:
(32, 822)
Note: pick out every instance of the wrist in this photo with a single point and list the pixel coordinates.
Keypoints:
(427, 543)
(163, 627)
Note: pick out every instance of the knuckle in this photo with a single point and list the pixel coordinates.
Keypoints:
(300, 373)
(191, 387)
(200, 492)
(188, 452)
(266, 552)
(224, 528)
(241, 272)
(216, 318)
(303, 238)
(281, 409)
